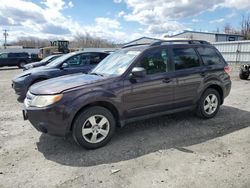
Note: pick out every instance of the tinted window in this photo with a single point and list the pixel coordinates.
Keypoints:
(19, 54)
(75, 61)
(185, 58)
(12, 55)
(103, 55)
(95, 58)
(3, 55)
(209, 56)
(155, 61)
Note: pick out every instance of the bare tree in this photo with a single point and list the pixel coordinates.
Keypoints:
(227, 28)
(245, 27)
(86, 41)
(79, 41)
(31, 42)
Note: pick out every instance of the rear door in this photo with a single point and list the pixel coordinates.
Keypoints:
(154, 92)
(189, 75)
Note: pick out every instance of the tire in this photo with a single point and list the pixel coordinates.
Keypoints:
(242, 75)
(99, 125)
(206, 109)
(21, 64)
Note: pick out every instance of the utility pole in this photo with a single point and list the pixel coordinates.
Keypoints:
(5, 34)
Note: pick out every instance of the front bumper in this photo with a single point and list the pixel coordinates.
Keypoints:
(50, 120)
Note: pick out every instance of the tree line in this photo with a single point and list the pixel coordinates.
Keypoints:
(79, 41)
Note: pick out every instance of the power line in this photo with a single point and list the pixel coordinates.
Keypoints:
(5, 34)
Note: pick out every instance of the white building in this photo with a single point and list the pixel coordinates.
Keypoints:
(207, 36)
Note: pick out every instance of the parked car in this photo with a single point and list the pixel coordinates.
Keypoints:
(75, 62)
(244, 71)
(43, 62)
(136, 82)
(14, 59)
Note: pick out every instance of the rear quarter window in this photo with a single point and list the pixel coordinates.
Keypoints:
(209, 56)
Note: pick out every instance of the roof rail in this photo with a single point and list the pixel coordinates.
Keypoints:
(130, 45)
(160, 42)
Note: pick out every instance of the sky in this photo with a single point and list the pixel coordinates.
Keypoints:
(118, 21)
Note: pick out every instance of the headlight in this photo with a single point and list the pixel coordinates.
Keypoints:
(45, 100)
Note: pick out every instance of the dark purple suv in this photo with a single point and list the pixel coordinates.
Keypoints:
(135, 82)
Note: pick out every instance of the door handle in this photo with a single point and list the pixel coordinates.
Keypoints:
(167, 80)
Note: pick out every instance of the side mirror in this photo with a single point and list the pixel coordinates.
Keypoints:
(65, 65)
(138, 72)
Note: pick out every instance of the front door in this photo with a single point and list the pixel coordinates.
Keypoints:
(154, 92)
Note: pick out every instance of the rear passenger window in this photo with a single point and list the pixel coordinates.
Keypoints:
(209, 56)
(185, 58)
(155, 61)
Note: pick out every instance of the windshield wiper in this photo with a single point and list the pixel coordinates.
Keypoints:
(98, 74)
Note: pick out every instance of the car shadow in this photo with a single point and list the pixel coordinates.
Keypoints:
(144, 137)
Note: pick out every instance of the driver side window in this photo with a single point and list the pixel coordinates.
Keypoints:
(74, 61)
(155, 61)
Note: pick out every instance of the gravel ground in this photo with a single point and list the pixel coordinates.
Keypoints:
(177, 150)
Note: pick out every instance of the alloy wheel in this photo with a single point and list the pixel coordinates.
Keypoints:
(95, 129)
(210, 104)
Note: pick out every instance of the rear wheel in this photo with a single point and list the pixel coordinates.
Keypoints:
(94, 127)
(21, 64)
(208, 104)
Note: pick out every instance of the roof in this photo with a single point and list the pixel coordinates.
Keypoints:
(200, 32)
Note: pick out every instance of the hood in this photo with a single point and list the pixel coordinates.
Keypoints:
(60, 84)
(36, 64)
(31, 71)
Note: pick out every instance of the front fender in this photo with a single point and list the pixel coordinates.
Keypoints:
(80, 100)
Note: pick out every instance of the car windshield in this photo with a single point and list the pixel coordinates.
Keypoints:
(46, 59)
(116, 63)
(59, 60)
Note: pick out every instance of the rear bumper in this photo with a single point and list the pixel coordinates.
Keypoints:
(227, 89)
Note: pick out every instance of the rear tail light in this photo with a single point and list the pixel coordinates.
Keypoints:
(227, 69)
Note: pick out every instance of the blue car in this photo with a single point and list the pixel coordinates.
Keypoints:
(43, 62)
(75, 62)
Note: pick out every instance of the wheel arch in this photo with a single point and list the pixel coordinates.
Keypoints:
(104, 104)
(217, 88)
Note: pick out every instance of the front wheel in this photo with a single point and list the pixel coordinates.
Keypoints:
(94, 127)
(208, 104)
